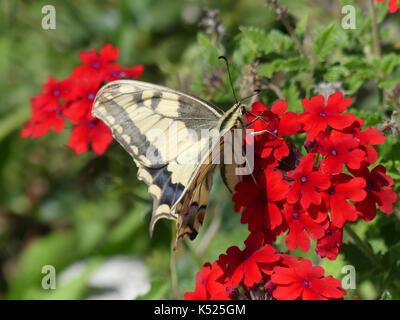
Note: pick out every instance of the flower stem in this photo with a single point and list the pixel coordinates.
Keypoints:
(375, 30)
(362, 246)
(172, 264)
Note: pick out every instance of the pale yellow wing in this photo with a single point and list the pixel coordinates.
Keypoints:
(137, 113)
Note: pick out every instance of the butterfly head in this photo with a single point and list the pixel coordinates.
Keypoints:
(241, 108)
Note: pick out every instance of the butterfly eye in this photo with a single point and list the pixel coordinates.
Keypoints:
(243, 110)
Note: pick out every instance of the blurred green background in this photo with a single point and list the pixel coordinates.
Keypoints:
(81, 213)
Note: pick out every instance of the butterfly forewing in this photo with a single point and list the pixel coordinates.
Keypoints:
(161, 129)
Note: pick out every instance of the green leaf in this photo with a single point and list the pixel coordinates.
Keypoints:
(388, 84)
(292, 96)
(301, 26)
(287, 65)
(381, 12)
(209, 50)
(267, 70)
(388, 63)
(128, 226)
(324, 41)
(13, 121)
(336, 73)
(258, 40)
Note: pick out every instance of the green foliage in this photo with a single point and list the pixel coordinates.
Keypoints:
(58, 209)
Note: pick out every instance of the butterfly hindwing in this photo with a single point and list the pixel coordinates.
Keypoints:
(193, 205)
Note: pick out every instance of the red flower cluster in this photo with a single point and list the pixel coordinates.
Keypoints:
(261, 273)
(307, 196)
(72, 99)
(393, 5)
(311, 196)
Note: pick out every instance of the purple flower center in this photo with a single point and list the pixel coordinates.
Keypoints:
(334, 153)
(115, 73)
(56, 92)
(306, 284)
(322, 114)
(275, 131)
(303, 179)
(95, 64)
(370, 185)
(91, 123)
(331, 191)
(90, 96)
(328, 232)
(295, 215)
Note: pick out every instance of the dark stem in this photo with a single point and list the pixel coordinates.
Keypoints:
(282, 12)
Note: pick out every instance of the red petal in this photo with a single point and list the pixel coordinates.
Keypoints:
(342, 211)
(328, 287)
(319, 125)
(387, 197)
(284, 276)
(310, 294)
(340, 120)
(289, 124)
(108, 53)
(331, 165)
(315, 105)
(353, 189)
(291, 292)
(279, 107)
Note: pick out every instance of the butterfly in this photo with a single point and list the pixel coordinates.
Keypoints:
(136, 110)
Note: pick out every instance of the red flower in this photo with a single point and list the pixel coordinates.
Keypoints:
(116, 72)
(82, 100)
(307, 183)
(278, 123)
(73, 97)
(44, 117)
(96, 63)
(250, 264)
(54, 91)
(344, 188)
(207, 285)
(329, 246)
(393, 5)
(367, 138)
(303, 281)
(47, 109)
(318, 115)
(377, 183)
(336, 152)
(303, 225)
(93, 131)
(370, 137)
(260, 200)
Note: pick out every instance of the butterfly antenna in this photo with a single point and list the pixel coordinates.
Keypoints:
(229, 74)
(255, 93)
